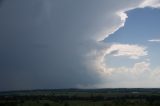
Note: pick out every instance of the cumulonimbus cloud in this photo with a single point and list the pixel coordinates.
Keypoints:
(45, 43)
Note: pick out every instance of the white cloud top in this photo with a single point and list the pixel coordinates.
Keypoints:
(151, 3)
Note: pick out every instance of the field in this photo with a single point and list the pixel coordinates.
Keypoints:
(82, 97)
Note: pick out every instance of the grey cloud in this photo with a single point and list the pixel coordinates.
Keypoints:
(1, 1)
(44, 42)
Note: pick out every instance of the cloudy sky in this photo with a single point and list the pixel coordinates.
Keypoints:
(79, 44)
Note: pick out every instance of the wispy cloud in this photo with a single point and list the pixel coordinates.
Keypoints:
(127, 50)
(131, 51)
(154, 40)
(151, 3)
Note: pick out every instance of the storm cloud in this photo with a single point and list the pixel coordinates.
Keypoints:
(47, 43)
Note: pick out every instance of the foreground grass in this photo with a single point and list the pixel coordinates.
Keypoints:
(81, 98)
(79, 103)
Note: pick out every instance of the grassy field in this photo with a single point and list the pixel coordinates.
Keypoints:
(82, 97)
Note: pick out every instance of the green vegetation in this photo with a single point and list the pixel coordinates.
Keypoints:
(78, 97)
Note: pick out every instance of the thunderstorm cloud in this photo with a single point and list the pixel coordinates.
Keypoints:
(59, 43)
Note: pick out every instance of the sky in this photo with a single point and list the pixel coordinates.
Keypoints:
(142, 31)
(47, 44)
(134, 48)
